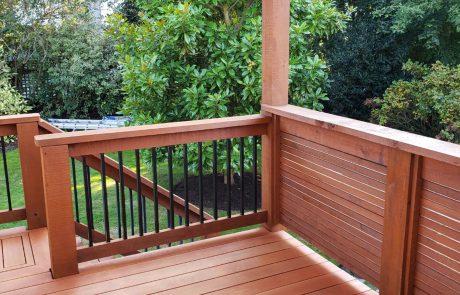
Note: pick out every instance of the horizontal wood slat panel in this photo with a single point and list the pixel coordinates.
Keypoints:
(345, 143)
(438, 251)
(332, 192)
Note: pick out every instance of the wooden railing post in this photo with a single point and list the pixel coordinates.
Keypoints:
(59, 210)
(275, 84)
(32, 178)
(402, 197)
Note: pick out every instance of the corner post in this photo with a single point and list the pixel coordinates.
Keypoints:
(275, 90)
(59, 210)
(32, 177)
(402, 204)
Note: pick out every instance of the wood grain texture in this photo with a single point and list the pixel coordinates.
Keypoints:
(275, 51)
(13, 215)
(32, 178)
(191, 128)
(412, 143)
(59, 210)
(6, 130)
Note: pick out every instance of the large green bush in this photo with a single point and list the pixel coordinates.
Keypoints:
(11, 102)
(428, 104)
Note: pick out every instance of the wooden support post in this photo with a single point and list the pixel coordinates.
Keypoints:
(32, 178)
(400, 221)
(275, 51)
(275, 83)
(59, 210)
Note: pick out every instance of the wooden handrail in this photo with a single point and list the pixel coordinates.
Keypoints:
(16, 119)
(401, 140)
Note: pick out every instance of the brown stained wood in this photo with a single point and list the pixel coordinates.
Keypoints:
(13, 215)
(13, 252)
(347, 161)
(6, 130)
(169, 235)
(192, 128)
(392, 138)
(413, 224)
(16, 119)
(59, 210)
(112, 171)
(355, 146)
(447, 281)
(275, 51)
(445, 192)
(431, 285)
(445, 174)
(270, 174)
(32, 179)
(402, 188)
(331, 168)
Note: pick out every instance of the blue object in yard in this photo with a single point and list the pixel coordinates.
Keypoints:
(78, 124)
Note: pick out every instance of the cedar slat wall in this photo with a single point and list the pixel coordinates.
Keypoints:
(437, 264)
(332, 194)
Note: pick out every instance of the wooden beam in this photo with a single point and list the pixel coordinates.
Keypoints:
(32, 178)
(13, 215)
(16, 119)
(59, 210)
(138, 133)
(275, 51)
(405, 141)
(270, 174)
(6, 130)
(401, 210)
(166, 236)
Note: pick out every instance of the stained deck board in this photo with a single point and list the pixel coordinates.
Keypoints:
(249, 262)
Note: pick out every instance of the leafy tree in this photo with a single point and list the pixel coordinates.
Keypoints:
(202, 59)
(72, 64)
(433, 27)
(11, 102)
(428, 104)
(364, 60)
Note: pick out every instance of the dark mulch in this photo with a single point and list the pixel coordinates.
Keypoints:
(222, 195)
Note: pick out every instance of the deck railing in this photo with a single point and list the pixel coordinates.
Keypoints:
(22, 129)
(383, 203)
(57, 150)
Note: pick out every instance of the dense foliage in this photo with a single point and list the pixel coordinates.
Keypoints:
(427, 104)
(432, 26)
(202, 59)
(71, 64)
(364, 60)
(11, 102)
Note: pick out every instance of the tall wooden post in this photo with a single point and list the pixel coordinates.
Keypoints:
(402, 200)
(32, 178)
(275, 77)
(59, 210)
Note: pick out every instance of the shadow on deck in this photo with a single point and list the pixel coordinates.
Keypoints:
(250, 262)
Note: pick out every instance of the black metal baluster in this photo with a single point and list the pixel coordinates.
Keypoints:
(131, 210)
(117, 194)
(144, 213)
(187, 217)
(242, 175)
(155, 189)
(104, 199)
(5, 170)
(122, 194)
(229, 177)
(200, 180)
(139, 192)
(180, 223)
(214, 177)
(75, 191)
(87, 185)
(254, 170)
(171, 188)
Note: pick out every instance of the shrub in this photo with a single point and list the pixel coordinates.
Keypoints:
(428, 104)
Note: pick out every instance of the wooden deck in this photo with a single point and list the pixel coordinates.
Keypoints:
(250, 262)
